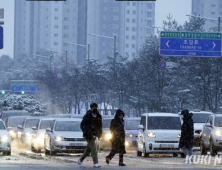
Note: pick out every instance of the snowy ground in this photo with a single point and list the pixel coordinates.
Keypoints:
(25, 160)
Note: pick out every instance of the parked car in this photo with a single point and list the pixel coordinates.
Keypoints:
(38, 134)
(11, 124)
(9, 113)
(104, 142)
(159, 133)
(25, 130)
(5, 140)
(211, 137)
(199, 118)
(131, 131)
(60, 115)
(64, 136)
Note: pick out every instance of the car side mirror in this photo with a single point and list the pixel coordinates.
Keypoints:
(208, 125)
(34, 128)
(19, 127)
(48, 130)
(141, 127)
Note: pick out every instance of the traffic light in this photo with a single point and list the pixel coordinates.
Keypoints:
(3, 92)
(22, 92)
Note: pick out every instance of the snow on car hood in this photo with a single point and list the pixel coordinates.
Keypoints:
(3, 133)
(69, 134)
(198, 126)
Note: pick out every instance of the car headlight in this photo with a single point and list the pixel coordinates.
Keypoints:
(151, 135)
(12, 133)
(129, 135)
(27, 134)
(126, 143)
(59, 138)
(4, 139)
(218, 133)
(108, 136)
(179, 135)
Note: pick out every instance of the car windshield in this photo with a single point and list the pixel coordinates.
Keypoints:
(164, 123)
(218, 122)
(132, 124)
(31, 123)
(200, 118)
(45, 124)
(106, 123)
(73, 126)
(14, 122)
(2, 127)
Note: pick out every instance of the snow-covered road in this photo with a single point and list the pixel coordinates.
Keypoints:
(27, 160)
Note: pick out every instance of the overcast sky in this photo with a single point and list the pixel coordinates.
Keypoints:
(178, 8)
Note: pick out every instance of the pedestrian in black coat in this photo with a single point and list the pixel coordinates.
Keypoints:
(91, 126)
(187, 133)
(118, 137)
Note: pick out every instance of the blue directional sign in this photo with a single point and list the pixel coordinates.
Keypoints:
(190, 44)
(25, 86)
(1, 37)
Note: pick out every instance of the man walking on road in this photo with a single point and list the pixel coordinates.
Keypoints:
(91, 126)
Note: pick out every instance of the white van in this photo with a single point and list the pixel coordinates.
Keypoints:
(159, 133)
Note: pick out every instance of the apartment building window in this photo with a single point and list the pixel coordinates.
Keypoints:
(55, 35)
(127, 28)
(149, 22)
(149, 14)
(128, 11)
(134, 3)
(127, 45)
(212, 5)
(134, 20)
(133, 28)
(68, 10)
(134, 54)
(127, 53)
(114, 26)
(148, 31)
(55, 43)
(66, 27)
(114, 18)
(114, 9)
(212, 13)
(134, 12)
(127, 37)
(56, 18)
(133, 46)
(127, 20)
(128, 3)
(47, 18)
(56, 9)
(56, 26)
(149, 6)
(133, 37)
(66, 18)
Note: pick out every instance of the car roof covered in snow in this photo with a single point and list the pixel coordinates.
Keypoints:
(200, 112)
(69, 119)
(218, 115)
(47, 118)
(160, 114)
(132, 118)
(14, 117)
(15, 111)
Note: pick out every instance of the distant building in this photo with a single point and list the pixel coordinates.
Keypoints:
(129, 21)
(50, 25)
(208, 8)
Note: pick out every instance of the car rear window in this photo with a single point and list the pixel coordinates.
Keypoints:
(132, 124)
(2, 127)
(73, 126)
(218, 122)
(14, 122)
(164, 123)
(200, 117)
(45, 124)
(31, 123)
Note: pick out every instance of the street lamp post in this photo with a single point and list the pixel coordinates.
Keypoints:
(218, 20)
(64, 52)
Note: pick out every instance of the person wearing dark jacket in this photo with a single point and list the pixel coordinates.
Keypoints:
(187, 133)
(91, 126)
(118, 137)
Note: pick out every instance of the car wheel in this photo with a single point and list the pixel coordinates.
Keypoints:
(139, 153)
(146, 155)
(203, 149)
(8, 153)
(175, 155)
(52, 153)
(213, 152)
(183, 155)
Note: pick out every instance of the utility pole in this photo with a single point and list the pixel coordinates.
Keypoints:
(219, 24)
(88, 50)
(66, 60)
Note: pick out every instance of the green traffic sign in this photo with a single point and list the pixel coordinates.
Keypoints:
(196, 35)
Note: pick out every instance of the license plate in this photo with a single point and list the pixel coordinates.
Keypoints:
(76, 144)
(166, 146)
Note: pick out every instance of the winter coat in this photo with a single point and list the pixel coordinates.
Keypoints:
(91, 127)
(187, 132)
(118, 133)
